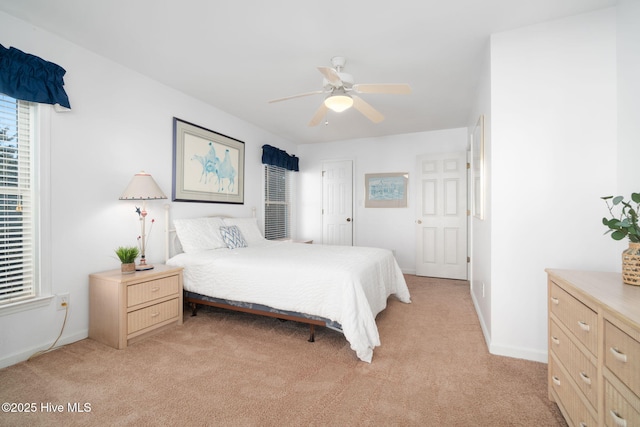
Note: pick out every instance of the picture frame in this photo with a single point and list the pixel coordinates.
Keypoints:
(207, 166)
(386, 190)
(477, 168)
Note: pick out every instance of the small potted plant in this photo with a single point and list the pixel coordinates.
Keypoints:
(127, 256)
(622, 225)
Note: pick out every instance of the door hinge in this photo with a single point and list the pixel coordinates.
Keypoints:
(468, 165)
(468, 212)
(468, 259)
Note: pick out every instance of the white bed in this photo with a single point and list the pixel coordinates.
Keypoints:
(346, 285)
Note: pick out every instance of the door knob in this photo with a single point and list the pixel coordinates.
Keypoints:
(419, 221)
(348, 219)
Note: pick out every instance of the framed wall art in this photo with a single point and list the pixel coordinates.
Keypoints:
(386, 190)
(477, 165)
(207, 166)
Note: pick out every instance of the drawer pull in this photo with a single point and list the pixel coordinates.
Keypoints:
(556, 380)
(585, 378)
(155, 314)
(620, 422)
(555, 340)
(583, 424)
(156, 289)
(620, 356)
(555, 300)
(584, 326)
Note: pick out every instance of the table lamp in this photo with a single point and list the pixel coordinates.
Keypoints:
(142, 187)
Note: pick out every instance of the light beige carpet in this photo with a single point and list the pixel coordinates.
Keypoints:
(222, 368)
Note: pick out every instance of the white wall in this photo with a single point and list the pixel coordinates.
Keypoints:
(386, 228)
(553, 155)
(480, 232)
(628, 96)
(120, 123)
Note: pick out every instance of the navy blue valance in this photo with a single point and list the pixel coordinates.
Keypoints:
(276, 157)
(30, 78)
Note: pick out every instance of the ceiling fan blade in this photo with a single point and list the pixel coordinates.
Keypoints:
(300, 95)
(331, 75)
(367, 110)
(392, 88)
(319, 115)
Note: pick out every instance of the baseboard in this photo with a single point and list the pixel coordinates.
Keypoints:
(483, 325)
(24, 355)
(506, 350)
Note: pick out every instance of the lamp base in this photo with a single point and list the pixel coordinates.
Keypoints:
(144, 267)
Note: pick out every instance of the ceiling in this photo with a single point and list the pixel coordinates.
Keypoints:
(238, 55)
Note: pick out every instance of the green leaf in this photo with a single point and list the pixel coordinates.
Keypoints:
(618, 235)
(635, 197)
(617, 199)
(606, 197)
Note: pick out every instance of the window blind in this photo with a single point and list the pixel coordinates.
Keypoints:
(278, 202)
(17, 248)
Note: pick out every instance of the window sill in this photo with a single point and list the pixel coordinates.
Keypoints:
(19, 306)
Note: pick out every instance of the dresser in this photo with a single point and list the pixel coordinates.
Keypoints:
(124, 308)
(594, 348)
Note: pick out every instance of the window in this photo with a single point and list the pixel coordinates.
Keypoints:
(278, 203)
(18, 272)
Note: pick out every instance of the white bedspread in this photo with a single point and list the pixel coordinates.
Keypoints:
(346, 284)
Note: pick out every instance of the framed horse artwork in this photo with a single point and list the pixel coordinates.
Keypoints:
(207, 166)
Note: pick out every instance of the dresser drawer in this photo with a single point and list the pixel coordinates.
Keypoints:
(622, 356)
(151, 290)
(579, 366)
(569, 398)
(617, 410)
(577, 317)
(149, 316)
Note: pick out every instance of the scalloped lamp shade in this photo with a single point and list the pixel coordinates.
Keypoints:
(142, 187)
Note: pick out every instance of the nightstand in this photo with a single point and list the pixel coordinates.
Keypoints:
(124, 308)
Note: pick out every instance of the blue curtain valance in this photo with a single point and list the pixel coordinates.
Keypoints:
(276, 157)
(30, 78)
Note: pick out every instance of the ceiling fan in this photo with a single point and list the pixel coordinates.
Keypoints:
(342, 92)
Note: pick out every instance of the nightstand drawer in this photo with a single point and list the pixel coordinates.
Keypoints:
(153, 289)
(577, 317)
(149, 316)
(581, 369)
(622, 356)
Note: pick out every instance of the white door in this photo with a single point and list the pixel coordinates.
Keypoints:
(441, 223)
(337, 203)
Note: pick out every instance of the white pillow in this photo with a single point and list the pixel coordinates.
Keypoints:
(199, 234)
(249, 229)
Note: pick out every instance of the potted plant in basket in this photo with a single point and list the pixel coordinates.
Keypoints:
(127, 256)
(625, 224)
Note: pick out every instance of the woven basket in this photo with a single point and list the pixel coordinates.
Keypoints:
(631, 264)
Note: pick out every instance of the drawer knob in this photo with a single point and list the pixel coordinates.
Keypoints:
(584, 326)
(585, 378)
(620, 356)
(620, 422)
(555, 340)
(156, 289)
(555, 300)
(155, 314)
(583, 424)
(556, 380)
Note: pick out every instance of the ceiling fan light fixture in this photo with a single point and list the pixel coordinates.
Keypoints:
(338, 103)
